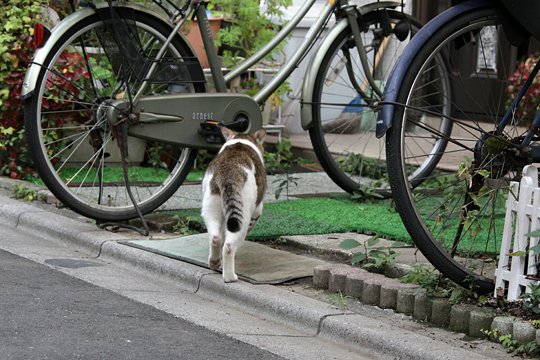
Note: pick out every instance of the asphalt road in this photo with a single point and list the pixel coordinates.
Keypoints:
(45, 314)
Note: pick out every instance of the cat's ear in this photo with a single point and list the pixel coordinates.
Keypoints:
(227, 133)
(259, 135)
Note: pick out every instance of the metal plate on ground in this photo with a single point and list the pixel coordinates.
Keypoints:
(255, 263)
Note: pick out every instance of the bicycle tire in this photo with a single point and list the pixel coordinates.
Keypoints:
(61, 118)
(456, 216)
(343, 132)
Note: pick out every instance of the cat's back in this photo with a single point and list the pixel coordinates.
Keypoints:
(233, 165)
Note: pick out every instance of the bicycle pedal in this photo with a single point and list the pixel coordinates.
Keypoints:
(211, 132)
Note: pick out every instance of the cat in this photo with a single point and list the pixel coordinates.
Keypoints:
(233, 192)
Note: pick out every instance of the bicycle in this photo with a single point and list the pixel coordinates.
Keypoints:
(122, 73)
(455, 211)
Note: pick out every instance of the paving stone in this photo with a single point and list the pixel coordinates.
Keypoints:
(321, 275)
(389, 293)
(523, 332)
(422, 305)
(338, 278)
(503, 324)
(460, 318)
(388, 299)
(480, 321)
(440, 312)
(405, 301)
(355, 282)
(371, 291)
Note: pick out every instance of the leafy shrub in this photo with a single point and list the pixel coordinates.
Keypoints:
(17, 48)
(531, 100)
(16, 30)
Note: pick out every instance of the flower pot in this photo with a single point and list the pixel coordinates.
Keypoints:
(193, 34)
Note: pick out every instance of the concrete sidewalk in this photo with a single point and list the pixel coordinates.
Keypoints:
(352, 323)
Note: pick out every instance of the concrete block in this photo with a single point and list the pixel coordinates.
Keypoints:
(523, 332)
(480, 320)
(337, 279)
(371, 291)
(321, 275)
(459, 318)
(422, 305)
(389, 293)
(388, 298)
(440, 312)
(503, 324)
(405, 301)
(355, 282)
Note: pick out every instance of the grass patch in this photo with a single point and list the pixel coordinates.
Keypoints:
(339, 214)
(115, 175)
(321, 216)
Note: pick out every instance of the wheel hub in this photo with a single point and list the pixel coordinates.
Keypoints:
(499, 155)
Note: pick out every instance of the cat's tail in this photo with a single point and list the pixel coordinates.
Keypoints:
(233, 208)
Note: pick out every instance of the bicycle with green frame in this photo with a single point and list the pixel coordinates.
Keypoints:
(114, 74)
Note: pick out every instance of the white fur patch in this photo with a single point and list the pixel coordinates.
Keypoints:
(244, 142)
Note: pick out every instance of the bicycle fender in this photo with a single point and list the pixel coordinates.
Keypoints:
(316, 60)
(312, 70)
(61, 28)
(393, 85)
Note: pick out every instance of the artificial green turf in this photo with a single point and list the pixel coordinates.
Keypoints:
(340, 214)
(116, 175)
(321, 216)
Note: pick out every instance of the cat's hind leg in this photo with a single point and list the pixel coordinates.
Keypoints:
(233, 240)
(255, 216)
(213, 219)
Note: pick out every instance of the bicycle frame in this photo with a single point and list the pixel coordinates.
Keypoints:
(221, 80)
(163, 115)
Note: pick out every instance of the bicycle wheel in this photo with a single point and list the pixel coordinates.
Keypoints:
(345, 104)
(75, 149)
(456, 213)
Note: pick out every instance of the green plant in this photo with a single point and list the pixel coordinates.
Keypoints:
(283, 182)
(425, 276)
(512, 345)
(356, 164)
(369, 255)
(338, 300)
(364, 193)
(184, 225)
(16, 48)
(250, 27)
(531, 100)
(282, 159)
(24, 193)
(531, 300)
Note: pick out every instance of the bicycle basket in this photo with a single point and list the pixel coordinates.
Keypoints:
(132, 57)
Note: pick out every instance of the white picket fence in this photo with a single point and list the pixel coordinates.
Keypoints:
(515, 273)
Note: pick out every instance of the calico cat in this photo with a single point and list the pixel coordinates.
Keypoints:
(233, 191)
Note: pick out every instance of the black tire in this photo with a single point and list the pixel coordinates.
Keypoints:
(456, 215)
(342, 132)
(81, 72)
